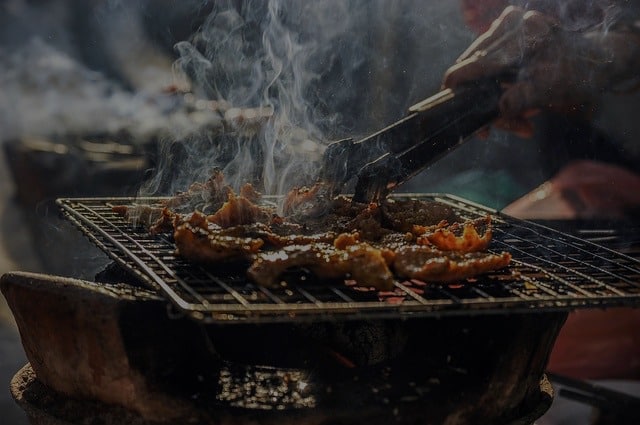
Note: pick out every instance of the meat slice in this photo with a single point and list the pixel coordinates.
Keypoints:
(310, 202)
(429, 264)
(208, 196)
(332, 237)
(446, 239)
(238, 210)
(359, 262)
(197, 240)
(402, 214)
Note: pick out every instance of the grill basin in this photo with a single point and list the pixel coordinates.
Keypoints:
(115, 344)
(550, 271)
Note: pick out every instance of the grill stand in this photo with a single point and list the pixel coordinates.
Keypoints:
(115, 344)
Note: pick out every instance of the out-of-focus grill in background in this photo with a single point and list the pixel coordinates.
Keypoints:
(44, 168)
(100, 164)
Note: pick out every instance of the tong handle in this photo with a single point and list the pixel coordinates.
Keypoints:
(345, 158)
(441, 123)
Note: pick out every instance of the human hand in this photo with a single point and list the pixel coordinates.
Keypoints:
(548, 67)
(582, 190)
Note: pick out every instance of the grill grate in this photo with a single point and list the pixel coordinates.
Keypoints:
(550, 271)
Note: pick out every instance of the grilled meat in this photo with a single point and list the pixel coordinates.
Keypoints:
(214, 196)
(445, 238)
(238, 210)
(198, 240)
(333, 238)
(402, 215)
(205, 197)
(430, 264)
(307, 201)
(360, 262)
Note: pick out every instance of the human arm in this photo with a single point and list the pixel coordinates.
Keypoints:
(551, 62)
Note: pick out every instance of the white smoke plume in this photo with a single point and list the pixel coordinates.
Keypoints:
(46, 92)
(284, 77)
(324, 70)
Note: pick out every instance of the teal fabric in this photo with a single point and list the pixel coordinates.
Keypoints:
(493, 189)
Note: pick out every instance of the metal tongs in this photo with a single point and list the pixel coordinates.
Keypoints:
(432, 128)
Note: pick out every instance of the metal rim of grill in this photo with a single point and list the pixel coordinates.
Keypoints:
(550, 271)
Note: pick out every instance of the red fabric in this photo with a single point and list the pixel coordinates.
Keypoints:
(582, 189)
(593, 344)
(479, 14)
(599, 344)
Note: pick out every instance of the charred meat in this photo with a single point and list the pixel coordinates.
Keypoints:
(430, 264)
(360, 262)
(332, 238)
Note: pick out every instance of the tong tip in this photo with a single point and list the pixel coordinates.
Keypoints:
(335, 168)
(377, 179)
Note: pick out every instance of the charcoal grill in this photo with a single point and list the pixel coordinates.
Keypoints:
(361, 360)
(550, 271)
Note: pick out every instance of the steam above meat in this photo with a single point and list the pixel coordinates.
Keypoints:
(332, 238)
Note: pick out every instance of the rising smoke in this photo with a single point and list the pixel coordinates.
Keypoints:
(46, 92)
(325, 70)
(289, 76)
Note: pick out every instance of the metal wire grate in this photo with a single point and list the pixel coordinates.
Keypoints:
(550, 270)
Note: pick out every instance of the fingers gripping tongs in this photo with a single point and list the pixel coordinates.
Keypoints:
(386, 159)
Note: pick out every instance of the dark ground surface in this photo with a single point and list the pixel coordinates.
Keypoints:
(11, 359)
